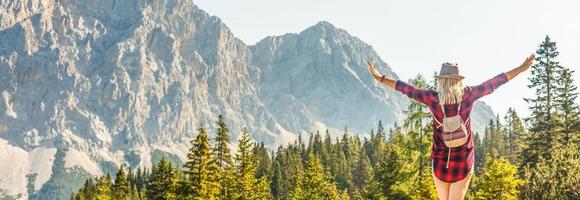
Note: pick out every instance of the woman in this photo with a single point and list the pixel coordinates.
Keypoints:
(452, 167)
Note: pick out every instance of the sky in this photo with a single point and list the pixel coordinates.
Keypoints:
(485, 37)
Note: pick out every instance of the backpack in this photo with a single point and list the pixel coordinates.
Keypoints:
(454, 130)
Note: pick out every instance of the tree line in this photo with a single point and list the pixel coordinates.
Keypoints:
(531, 158)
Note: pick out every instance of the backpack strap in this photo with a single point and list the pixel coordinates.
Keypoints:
(459, 113)
(434, 118)
(443, 109)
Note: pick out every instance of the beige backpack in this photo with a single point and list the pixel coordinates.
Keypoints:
(454, 130)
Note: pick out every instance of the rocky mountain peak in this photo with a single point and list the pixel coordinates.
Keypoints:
(322, 28)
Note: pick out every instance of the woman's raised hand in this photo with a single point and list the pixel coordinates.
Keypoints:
(522, 68)
(528, 62)
(373, 70)
(378, 76)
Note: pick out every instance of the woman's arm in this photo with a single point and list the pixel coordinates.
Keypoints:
(522, 68)
(490, 85)
(381, 78)
(419, 95)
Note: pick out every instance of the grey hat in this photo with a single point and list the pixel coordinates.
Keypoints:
(449, 70)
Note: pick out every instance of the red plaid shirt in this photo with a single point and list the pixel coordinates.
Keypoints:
(461, 158)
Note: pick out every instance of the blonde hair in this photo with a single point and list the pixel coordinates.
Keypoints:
(450, 90)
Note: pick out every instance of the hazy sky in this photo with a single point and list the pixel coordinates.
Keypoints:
(412, 36)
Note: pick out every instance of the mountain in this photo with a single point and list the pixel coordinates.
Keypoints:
(89, 85)
(318, 78)
(117, 82)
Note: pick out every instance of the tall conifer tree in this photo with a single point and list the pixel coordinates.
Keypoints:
(223, 159)
(247, 186)
(163, 182)
(121, 188)
(544, 119)
(103, 188)
(202, 169)
(569, 109)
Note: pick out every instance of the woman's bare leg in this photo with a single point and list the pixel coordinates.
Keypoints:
(458, 189)
(441, 187)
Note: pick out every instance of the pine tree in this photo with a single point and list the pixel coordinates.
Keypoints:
(288, 164)
(345, 144)
(264, 162)
(77, 196)
(342, 161)
(223, 159)
(409, 154)
(416, 112)
(103, 188)
(340, 169)
(434, 81)
(498, 181)
(222, 153)
(362, 173)
(376, 145)
(566, 102)
(278, 181)
(310, 146)
(141, 178)
(201, 169)
(389, 170)
(163, 182)
(88, 190)
(121, 188)
(300, 146)
(328, 148)
(317, 145)
(479, 153)
(247, 186)
(373, 191)
(297, 193)
(263, 170)
(316, 184)
(135, 193)
(501, 137)
(495, 138)
(515, 134)
(417, 130)
(544, 117)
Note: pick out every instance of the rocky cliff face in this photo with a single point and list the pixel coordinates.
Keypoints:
(89, 85)
(114, 81)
